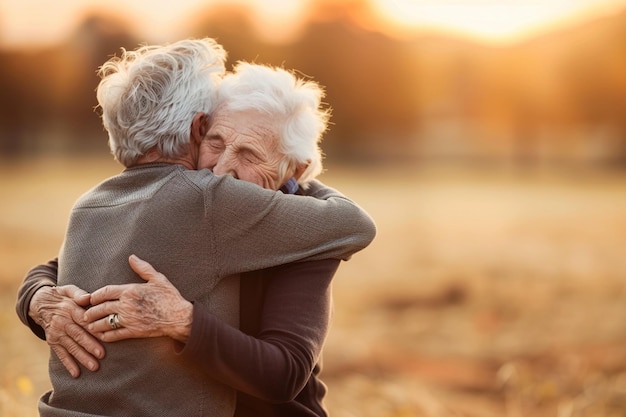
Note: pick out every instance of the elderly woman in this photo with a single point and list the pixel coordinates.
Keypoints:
(265, 129)
(199, 236)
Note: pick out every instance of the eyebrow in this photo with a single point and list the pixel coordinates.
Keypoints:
(215, 136)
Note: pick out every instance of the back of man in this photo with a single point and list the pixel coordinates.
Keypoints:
(202, 229)
(155, 213)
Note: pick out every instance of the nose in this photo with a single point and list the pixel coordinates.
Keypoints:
(225, 165)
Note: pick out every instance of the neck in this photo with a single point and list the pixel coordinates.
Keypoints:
(153, 157)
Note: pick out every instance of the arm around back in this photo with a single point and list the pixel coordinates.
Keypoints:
(276, 363)
(263, 228)
(44, 275)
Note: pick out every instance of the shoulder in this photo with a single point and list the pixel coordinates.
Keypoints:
(202, 179)
(226, 187)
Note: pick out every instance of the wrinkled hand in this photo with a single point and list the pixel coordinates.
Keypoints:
(60, 311)
(153, 309)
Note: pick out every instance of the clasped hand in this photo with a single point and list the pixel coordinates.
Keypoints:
(153, 309)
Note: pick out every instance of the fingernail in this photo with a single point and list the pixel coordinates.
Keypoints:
(98, 353)
(91, 365)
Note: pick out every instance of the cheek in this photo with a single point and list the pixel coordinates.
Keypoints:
(266, 176)
(250, 174)
(207, 160)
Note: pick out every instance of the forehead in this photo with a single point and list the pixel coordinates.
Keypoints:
(243, 125)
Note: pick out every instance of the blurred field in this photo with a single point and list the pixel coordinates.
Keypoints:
(484, 294)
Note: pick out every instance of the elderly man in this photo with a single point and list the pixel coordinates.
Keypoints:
(201, 229)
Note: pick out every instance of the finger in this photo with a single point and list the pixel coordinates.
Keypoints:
(100, 326)
(79, 353)
(144, 269)
(80, 296)
(67, 360)
(83, 300)
(110, 292)
(86, 343)
(101, 310)
(117, 335)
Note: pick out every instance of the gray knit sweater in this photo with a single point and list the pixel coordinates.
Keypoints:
(201, 229)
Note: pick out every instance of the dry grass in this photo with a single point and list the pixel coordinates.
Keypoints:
(483, 294)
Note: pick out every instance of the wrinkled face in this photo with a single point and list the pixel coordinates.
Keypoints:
(243, 144)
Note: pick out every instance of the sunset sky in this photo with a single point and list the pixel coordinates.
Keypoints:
(41, 22)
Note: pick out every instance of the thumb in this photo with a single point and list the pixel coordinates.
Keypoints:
(80, 296)
(144, 269)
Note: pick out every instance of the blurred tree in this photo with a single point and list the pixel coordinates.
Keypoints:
(591, 63)
(232, 26)
(94, 41)
(371, 80)
(13, 103)
(48, 95)
(557, 96)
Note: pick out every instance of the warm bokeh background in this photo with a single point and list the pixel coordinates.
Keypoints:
(487, 139)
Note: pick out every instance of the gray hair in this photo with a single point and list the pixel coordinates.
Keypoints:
(150, 96)
(293, 103)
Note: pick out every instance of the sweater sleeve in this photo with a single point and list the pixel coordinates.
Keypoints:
(276, 364)
(40, 276)
(255, 228)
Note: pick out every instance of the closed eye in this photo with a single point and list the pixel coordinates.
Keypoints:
(250, 156)
(215, 144)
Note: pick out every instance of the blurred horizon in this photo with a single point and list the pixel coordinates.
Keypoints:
(507, 22)
(554, 96)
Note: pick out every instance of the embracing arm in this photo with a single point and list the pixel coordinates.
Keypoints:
(40, 276)
(273, 366)
(262, 228)
(276, 364)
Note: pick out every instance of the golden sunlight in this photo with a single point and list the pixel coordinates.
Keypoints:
(501, 21)
(41, 22)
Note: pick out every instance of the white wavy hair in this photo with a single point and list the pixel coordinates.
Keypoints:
(293, 103)
(150, 96)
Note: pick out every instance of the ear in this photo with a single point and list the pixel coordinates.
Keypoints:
(199, 127)
(300, 168)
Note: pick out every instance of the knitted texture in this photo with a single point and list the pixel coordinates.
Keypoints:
(200, 231)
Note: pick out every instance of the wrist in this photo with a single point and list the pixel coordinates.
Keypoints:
(35, 304)
(181, 327)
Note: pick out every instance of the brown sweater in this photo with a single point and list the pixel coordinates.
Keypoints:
(277, 370)
(198, 228)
